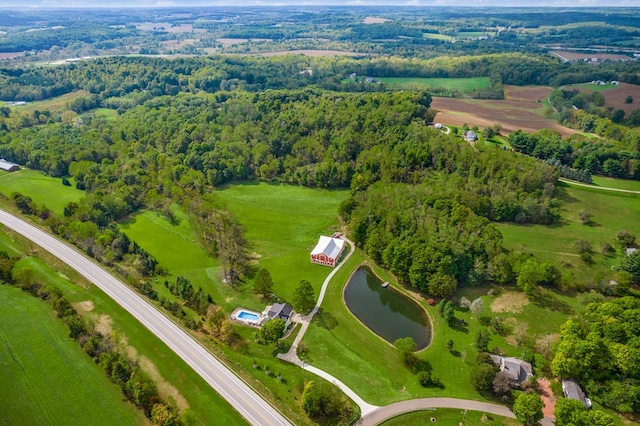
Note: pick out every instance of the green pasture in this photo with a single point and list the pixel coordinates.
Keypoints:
(104, 113)
(175, 379)
(437, 36)
(474, 34)
(59, 103)
(612, 212)
(43, 189)
(282, 224)
(449, 417)
(46, 376)
(607, 182)
(416, 83)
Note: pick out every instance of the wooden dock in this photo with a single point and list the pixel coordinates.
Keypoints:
(385, 284)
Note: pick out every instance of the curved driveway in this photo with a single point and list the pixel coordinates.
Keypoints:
(244, 399)
(392, 410)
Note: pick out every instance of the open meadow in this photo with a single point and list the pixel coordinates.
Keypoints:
(612, 212)
(44, 190)
(458, 84)
(46, 376)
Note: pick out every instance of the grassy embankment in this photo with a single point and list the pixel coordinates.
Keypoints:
(44, 190)
(416, 83)
(174, 378)
(449, 417)
(46, 376)
(59, 103)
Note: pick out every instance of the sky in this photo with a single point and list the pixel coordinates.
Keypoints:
(183, 3)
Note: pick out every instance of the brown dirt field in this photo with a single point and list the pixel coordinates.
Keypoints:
(526, 93)
(615, 97)
(10, 55)
(374, 20)
(509, 302)
(512, 114)
(323, 53)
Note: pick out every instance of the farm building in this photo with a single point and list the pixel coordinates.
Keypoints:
(471, 136)
(327, 251)
(8, 166)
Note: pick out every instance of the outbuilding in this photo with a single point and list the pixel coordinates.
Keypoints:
(327, 251)
(8, 166)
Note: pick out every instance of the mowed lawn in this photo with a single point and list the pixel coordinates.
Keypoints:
(282, 224)
(612, 212)
(460, 84)
(43, 189)
(46, 376)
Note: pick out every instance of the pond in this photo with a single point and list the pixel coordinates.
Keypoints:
(388, 313)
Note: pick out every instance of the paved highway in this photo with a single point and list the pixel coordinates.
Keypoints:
(249, 404)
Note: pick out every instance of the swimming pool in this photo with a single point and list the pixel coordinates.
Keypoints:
(247, 316)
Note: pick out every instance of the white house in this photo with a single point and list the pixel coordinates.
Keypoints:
(519, 371)
(327, 251)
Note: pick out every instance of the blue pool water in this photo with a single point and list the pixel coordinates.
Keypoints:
(247, 316)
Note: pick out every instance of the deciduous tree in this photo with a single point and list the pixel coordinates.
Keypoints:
(528, 408)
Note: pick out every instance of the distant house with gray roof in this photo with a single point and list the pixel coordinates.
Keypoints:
(518, 370)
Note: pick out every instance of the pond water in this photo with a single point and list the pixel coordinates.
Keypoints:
(388, 313)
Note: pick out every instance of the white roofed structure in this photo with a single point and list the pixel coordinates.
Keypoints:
(327, 251)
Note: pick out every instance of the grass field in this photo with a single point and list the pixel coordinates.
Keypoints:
(46, 377)
(174, 378)
(58, 103)
(437, 36)
(612, 212)
(282, 224)
(460, 84)
(607, 182)
(44, 190)
(449, 417)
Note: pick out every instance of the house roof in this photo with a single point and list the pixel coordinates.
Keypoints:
(471, 135)
(631, 250)
(572, 389)
(329, 246)
(516, 368)
(7, 165)
(280, 310)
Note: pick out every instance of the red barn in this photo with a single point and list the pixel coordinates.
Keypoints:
(327, 251)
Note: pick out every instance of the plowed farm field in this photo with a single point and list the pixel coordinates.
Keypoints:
(521, 109)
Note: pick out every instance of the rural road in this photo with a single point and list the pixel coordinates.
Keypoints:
(603, 188)
(244, 399)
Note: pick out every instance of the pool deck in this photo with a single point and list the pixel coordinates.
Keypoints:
(254, 324)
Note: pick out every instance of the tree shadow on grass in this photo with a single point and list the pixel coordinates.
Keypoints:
(325, 320)
(546, 299)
